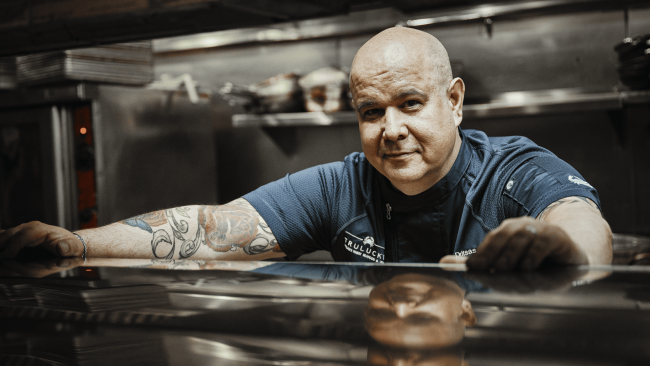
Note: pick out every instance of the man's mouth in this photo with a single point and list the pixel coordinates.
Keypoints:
(398, 155)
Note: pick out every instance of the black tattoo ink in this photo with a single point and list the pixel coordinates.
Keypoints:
(182, 227)
(189, 247)
(159, 237)
(259, 245)
(568, 200)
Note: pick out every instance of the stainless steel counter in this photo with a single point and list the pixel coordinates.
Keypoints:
(132, 312)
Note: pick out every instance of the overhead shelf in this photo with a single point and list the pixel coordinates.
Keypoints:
(507, 104)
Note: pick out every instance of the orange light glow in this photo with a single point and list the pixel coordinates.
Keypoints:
(83, 130)
(89, 270)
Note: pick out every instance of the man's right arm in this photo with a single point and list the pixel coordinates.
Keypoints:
(234, 231)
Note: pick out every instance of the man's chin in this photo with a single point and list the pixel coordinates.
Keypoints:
(404, 179)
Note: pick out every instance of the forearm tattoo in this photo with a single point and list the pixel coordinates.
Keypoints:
(231, 227)
(566, 201)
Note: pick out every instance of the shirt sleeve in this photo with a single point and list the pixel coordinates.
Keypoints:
(541, 181)
(297, 208)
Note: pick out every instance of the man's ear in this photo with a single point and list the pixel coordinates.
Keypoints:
(456, 95)
(468, 316)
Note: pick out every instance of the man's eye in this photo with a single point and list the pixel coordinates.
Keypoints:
(381, 314)
(373, 113)
(411, 103)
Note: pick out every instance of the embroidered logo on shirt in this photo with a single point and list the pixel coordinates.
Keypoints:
(465, 253)
(579, 181)
(365, 249)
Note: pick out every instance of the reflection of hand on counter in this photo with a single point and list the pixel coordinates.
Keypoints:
(11, 268)
(549, 280)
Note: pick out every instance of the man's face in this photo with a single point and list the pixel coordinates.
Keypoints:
(418, 311)
(406, 120)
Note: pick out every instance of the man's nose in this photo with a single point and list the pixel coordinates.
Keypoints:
(395, 125)
(403, 307)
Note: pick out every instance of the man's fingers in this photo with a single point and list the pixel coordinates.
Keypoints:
(54, 239)
(554, 245)
(20, 237)
(64, 245)
(453, 259)
(5, 235)
(490, 249)
(514, 250)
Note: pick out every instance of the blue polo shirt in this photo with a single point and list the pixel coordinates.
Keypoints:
(352, 211)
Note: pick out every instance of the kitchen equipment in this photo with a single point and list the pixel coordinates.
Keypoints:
(84, 155)
(325, 90)
(123, 63)
(278, 94)
(634, 62)
(627, 247)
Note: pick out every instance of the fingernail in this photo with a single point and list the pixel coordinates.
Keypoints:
(63, 249)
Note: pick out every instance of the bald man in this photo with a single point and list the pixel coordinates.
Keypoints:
(423, 190)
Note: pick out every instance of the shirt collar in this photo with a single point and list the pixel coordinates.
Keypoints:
(402, 202)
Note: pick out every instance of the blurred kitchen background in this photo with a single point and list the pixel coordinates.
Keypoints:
(179, 115)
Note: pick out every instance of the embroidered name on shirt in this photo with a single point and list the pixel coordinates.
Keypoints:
(579, 181)
(465, 253)
(365, 249)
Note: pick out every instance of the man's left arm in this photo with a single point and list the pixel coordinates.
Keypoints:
(570, 231)
(583, 222)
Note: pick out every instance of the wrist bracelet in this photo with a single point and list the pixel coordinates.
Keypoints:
(83, 256)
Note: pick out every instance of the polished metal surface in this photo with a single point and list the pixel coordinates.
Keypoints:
(373, 20)
(153, 149)
(38, 26)
(44, 26)
(293, 119)
(263, 313)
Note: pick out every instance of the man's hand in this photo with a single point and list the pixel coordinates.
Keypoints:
(569, 231)
(524, 243)
(59, 241)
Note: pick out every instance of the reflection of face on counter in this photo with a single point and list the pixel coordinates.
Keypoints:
(415, 311)
(391, 356)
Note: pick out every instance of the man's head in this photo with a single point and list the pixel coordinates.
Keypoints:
(408, 107)
(418, 311)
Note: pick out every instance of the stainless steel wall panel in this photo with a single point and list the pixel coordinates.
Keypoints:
(638, 21)
(536, 53)
(156, 152)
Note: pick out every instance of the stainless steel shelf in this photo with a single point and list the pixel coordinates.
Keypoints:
(293, 119)
(505, 105)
